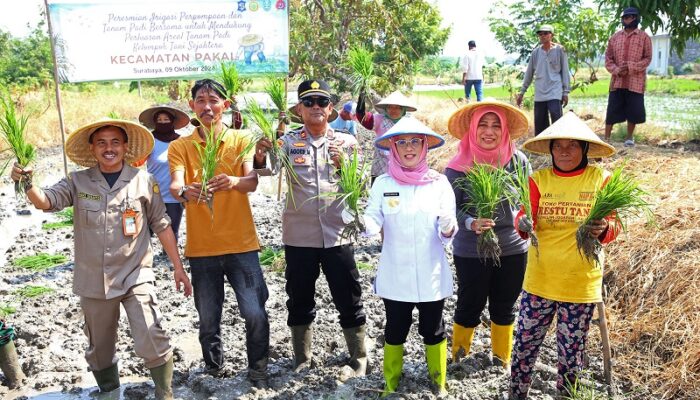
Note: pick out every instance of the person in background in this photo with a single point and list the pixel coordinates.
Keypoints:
(347, 121)
(559, 281)
(472, 72)
(163, 121)
(415, 207)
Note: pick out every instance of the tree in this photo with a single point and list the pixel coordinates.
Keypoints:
(583, 31)
(680, 18)
(399, 32)
(26, 61)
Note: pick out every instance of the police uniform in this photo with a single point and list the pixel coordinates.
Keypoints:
(111, 267)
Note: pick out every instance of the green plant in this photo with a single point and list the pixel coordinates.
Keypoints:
(485, 187)
(360, 61)
(579, 390)
(65, 219)
(693, 131)
(272, 258)
(6, 310)
(520, 195)
(40, 261)
(114, 115)
(13, 126)
(31, 291)
(363, 266)
(621, 197)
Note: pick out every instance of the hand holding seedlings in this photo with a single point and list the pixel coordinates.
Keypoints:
(481, 225)
(525, 224)
(334, 153)
(221, 182)
(596, 227)
(194, 192)
(20, 173)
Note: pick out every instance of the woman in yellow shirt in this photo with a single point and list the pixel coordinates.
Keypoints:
(558, 280)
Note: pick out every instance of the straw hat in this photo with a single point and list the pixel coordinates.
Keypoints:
(569, 126)
(250, 39)
(140, 142)
(146, 116)
(459, 121)
(294, 117)
(397, 98)
(409, 126)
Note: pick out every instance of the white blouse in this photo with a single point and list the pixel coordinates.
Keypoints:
(413, 266)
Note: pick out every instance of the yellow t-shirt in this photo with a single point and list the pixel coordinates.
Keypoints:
(558, 272)
(232, 229)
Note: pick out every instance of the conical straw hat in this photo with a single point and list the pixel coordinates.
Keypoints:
(139, 146)
(181, 118)
(397, 98)
(569, 126)
(460, 120)
(409, 126)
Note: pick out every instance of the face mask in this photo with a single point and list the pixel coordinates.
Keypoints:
(164, 127)
(632, 25)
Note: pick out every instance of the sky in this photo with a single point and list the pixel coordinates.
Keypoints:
(467, 19)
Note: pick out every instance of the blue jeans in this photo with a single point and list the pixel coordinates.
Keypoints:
(477, 88)
(246, 278)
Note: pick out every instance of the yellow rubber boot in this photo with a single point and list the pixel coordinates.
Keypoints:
(502, 343)
(461, 341)
(393, 365)
(436, 356)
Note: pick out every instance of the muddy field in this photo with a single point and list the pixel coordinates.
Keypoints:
(51, 343)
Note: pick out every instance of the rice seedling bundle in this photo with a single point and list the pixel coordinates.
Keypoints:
(360, 61)
(210, 156)
(30, 291)
(485, 187)
(13, 126)
(40, 261)
(65, 219)
(519, 180)
(275, 89)
(278, 157)
(622, 197)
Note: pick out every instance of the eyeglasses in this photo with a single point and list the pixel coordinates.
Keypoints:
(321, 101)
(403, 143)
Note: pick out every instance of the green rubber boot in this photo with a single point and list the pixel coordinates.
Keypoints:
(436, 356)
(393, 365)
(163, 378)
(108, 378)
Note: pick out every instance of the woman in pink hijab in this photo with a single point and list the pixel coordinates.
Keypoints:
(486, 131)
(416, 208)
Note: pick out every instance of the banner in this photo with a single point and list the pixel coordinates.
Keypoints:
(150, 39)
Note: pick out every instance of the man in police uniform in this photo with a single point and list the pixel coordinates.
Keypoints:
(312, 226)
(115, 205)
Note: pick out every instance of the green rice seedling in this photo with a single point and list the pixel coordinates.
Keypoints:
(622, 197)
(275, 89)
(233, 83)
(210, 156)
(31, 291)
(363, 266)
(485, 187)
(40, 261)
(360, 61)
(65, 219)
(114, 115)
(354, 189)
(13, 126)
(519, 181)
(6, 309)
(274, 259)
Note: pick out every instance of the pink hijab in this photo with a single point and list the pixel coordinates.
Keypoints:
(421, 174)
(469, 152)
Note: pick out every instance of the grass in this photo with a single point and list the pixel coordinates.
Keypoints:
(40, 261)
(693, 131)
(580, 391)
(6, 310)
(363, 266)
(65, 220)
(31, 291)
(272, 258)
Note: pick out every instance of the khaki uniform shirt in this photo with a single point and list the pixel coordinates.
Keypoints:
(310, 220)
(108, 262)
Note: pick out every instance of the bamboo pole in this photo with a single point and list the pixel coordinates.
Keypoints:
(281, 128)
(605, 339)
(59, 104)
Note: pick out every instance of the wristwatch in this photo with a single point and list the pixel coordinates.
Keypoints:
(181, 193)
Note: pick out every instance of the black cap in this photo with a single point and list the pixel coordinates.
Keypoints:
(471, 43)
(314, 87)
(630, 11)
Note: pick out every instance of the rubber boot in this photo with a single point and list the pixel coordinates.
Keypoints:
(10, 365)
(355, 338)
(461, 341)
(436, 356)
(107, 379)
(163, 378)
(393, 365)
(502, 344)
(301, 344)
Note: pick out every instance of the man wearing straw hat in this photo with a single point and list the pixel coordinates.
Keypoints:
(222, 241)
(115, 205)
(312, 229)
(549, 66)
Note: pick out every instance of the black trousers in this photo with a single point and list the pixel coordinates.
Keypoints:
(479, 282)
(543, 111)
(399, 318)
(304, 265)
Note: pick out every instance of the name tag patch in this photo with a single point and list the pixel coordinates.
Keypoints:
(391, 194)
(88, 196)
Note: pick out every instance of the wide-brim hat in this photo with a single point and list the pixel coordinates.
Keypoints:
(409, 126)
(569, 126)
(397, 98)
(250, 39)
(545, 28)
(139, 142)
(181, 118)
(460, 120)
(295, 117)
